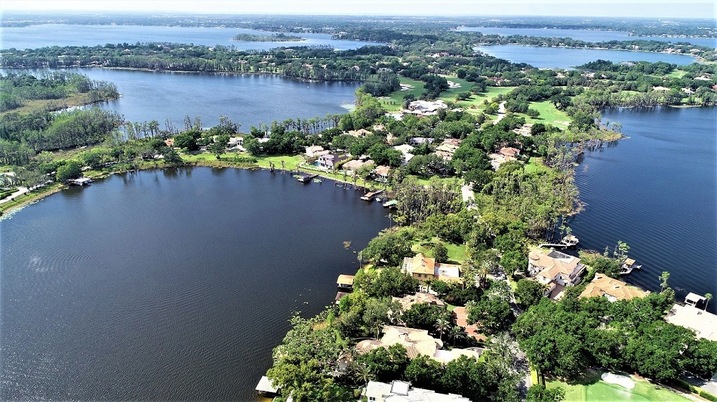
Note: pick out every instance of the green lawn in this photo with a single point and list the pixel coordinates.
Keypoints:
(456, 252)
(535, 164)
(549, 115)
(394, 102)
(451, 93)
(475, 103)
(596, 390)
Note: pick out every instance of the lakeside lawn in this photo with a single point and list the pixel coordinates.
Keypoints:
(535, 165)
(456, 252)
(549, 115)
(592, 389)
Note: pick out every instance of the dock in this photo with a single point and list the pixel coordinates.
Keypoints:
(266, 387)
(371, 195)
(390, 204)
(566, 242)
(345, 282)
(82, 181)
(305, 177)
(628, 266)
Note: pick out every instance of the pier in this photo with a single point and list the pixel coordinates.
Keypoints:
(82, 181)
(628, 266)
(371, 195)
(566, 242)
(305, 177)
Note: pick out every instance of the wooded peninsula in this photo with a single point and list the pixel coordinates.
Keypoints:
(478, 154)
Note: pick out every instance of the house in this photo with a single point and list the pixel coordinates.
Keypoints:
(555, 269)
(460, 316)
(425, 268)
(509, 152)
(417, 298)
(401, 391)
(448, 147)
(354, 165)
(405, 150)
(417, 343)
(426, 108)
(421, 140)
(703, 323)
(359, 133)
(314, 151)
(331, 160)
(381, 172)
(612, 289)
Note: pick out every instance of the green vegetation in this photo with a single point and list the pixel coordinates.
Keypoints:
(592, 388)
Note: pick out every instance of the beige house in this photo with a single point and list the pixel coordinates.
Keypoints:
(401, 391)
(419, 297)
(612, 289)
(555, 267)
(448, 147)
(424, 268)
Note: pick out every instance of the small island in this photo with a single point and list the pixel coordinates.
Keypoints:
(278, 37)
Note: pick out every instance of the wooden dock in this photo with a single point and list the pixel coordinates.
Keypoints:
(371, 195)
(628, 266)
(305, 177)
(565, 242)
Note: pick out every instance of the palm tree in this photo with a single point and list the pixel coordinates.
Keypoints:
(442, 323)
(708, 297)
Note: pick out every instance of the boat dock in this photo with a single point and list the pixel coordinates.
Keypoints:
(266, 387)
(82, 181)
(566, 242)
(371, 195)
(628, 265)
(305, 177)
(390, 204)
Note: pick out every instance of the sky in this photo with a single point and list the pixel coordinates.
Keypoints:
(601, 8)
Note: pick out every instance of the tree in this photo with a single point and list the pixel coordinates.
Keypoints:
(386, 365)
(186, 140)
(440, 252)
(491, 315)
(424, 372)
(529, 292)
(389, 248)
(67, 171)
(664, 276)
(538, 393)
(708, 297)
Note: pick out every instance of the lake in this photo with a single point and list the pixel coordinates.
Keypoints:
(246, 99)
(35, 36)
(656, 191)
(587, 35)
(168, 285)
(558, 57)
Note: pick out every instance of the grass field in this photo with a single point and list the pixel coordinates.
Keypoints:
(475, 103)
(549, 115)
(394, 102)
(596, 390)
(456, 252)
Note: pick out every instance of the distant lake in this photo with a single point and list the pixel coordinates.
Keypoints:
(553, 57)
(168, 285)
(587, 35)
(656, 191)
(246, 99)
(35, 36)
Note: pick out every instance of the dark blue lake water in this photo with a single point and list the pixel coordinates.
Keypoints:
(587, 35)
(246, 99)
(553, 57)
(656, 191)
(168, 285)
(35, 36)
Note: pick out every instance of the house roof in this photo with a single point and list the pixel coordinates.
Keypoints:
(400, 391)
(461, 315)
(265, 385)
(509, 151)
(447, 272)
(703, 323)
(382, 170)
(555, 263)
(419, 297)
(419, 264)
(345, 279)
(613, 289)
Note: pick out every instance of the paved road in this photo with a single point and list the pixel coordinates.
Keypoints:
(20, 191)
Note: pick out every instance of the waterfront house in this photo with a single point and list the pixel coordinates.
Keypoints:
(424, 268)
(353, 166)
(554, 269)
(331, 160)
(401, 391)
(381, 173)
(691, 317)
(611, 289)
